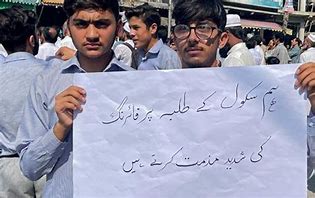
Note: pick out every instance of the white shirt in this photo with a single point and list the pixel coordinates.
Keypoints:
(46, 50)
(3, 51)
(256, 55)
(123, 53)
(281, 53)
(308, 55)
(259, 49)
(238, 55)
(66, 42)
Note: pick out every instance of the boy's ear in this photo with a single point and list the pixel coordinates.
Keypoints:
(31, 41)
(223, 39)
(153, 28)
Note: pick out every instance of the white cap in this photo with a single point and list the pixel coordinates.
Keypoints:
(311, 37)
(233, 20)
(123, 17)
(250, 35)
(126, 27)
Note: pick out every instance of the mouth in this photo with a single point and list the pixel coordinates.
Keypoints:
(193, 50)
(92, 46)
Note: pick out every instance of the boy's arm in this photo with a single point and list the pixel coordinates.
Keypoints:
(39, 143)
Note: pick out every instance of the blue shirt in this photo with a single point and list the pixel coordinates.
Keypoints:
(17, 72)
(2, 58)
(294, 54)
(41, 153)
(159, 57)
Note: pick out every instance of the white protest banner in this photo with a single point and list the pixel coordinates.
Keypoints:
(217, 132)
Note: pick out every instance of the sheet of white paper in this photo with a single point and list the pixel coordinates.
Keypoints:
(226, 132)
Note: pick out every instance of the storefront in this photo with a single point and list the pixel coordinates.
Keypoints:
(51, 13)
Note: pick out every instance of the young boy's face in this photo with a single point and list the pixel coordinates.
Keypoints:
(140, 33)
(196, 51)
(93, 32)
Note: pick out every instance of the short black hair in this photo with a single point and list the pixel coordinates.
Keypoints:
(272, 60)
(186, 11)
(16, 26)
(280, 36)
(237, 31)
(251, 43)
(258, 39)
(162, 33)
(72, 6)
(298, 41)
(50, 34)
(146, 13)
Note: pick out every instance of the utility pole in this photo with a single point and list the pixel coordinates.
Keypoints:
(302, 8)
(170, 7)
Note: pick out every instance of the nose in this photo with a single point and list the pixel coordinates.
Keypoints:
(192, 35)
(92, 33)
(132, 32)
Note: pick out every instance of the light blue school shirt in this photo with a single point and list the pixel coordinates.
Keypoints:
(17, 72)
(159, 57)
(2, 58)
(41, 153)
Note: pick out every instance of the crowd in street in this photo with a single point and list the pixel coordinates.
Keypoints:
(38, 96)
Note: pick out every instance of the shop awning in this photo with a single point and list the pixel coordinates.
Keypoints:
(53, 2)
(28, 4)
(261, 25)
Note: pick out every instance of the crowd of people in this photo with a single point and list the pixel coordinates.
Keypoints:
(38, 96)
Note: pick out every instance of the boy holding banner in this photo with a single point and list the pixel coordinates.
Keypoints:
(44, 140)
(305, 75)
(199, 32)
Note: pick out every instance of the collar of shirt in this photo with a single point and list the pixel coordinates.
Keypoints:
(73, 66)
(17, 56)
(154, 50)
(280, 45)
(311, 49)
(237, 47)
(47, 44)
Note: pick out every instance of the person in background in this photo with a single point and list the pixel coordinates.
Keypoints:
(280, 51)
(271, 60)
(125, 51)
(66, 41)
(270, 47)
(199, 32)
(44, 139)
(237, 53)
(17, 72)
(162, 33)
(308, 54)
(251, 45)
(47, 49)
(144, 22)
(260, 49)
(295, 50)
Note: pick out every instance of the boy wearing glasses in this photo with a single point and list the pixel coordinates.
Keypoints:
(44, 140)
(144, 22)
(199, 32)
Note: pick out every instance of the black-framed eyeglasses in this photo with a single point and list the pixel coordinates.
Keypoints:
(202, 31)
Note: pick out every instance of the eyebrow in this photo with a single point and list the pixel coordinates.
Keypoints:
(91, 21)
